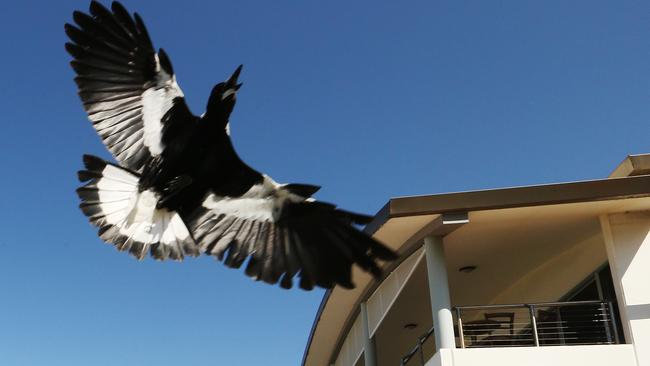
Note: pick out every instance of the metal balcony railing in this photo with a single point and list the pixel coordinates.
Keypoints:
(410, 358)
(542, 324)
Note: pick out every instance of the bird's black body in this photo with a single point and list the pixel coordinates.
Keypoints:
(180, 188)
(193, 162)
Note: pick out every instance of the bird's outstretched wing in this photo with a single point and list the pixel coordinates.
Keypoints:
(282, 237)
(128, 90)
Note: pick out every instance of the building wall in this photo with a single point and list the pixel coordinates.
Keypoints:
(621, 239)
(627, 237)
(352, 346)
(618, 355)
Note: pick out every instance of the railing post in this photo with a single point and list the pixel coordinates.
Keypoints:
(603, 318)
(461, 335)
(613, 322)
(560, 325)
(533, 320)
(420, 344)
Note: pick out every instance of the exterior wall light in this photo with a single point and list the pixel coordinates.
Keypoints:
(467, 269)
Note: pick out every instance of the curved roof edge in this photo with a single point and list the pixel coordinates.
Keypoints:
(313, 325)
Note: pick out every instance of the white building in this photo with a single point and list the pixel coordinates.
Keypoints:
(554, 274)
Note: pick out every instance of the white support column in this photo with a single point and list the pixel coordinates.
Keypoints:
(439, 292)
(627, 238)
(369, 351)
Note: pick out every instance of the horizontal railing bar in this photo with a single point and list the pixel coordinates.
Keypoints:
(540, 304)
(545, 345)
(567, 339)
(581, 329)
(529, 340)
(578, 320)
(479, 307)
(600, 325)
(470, 324)
(595, 320)
(507, 330)
(587, 331)
(487, 337)
(547, 335)
(521, 339)
(585, 321)
(583, 312)
(582, 326)
(575, 335)
(583, 342)
(514, 344)
(590, 340)
(573, 325)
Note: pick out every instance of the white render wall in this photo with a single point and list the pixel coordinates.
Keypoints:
(627, 238)
(381, 301)
(609, 355)
(352, 346)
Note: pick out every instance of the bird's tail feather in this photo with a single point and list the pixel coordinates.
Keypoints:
(128, 218)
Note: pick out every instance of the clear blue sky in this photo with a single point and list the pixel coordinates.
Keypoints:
(370, 99)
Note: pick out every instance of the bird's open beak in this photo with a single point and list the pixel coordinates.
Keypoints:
(231, 84)
(232, 81)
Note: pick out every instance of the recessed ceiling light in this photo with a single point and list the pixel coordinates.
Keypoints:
(410, 326)
(467, 269)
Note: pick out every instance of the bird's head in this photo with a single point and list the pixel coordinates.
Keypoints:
(224, 95)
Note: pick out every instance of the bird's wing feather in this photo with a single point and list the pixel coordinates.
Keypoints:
(128, 90)
(285, 238)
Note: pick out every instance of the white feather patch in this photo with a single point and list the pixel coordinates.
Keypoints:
(136, 217)
(178, 227)
(115, 186)
(116, 218)
(134, 213)
(262, 202)
(156, 101)
(154, 106)
(165, 227)
(115, 173)
(260, 209)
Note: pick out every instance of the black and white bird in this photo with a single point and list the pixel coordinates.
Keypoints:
(179, 188)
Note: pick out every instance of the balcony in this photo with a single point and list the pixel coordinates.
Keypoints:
(543, 324)
(572, 323)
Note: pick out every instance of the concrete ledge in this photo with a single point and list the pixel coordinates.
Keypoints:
(607, 355)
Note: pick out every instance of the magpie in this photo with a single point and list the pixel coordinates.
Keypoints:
(179, 188)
